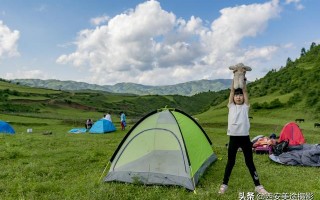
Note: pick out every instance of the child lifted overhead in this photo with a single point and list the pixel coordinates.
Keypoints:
(238, 132)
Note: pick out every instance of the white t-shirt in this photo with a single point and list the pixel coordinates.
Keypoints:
(238, 120)
(108, 117)
(122, 117)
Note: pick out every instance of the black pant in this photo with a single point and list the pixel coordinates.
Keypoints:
(234, 143)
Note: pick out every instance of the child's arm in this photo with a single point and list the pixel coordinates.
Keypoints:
(231, 93)
(245, 92)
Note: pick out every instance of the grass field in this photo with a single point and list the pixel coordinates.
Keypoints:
(68, 166)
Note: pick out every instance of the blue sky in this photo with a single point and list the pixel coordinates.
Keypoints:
(152, 42)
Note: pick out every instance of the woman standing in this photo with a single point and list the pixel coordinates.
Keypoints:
(123, 120)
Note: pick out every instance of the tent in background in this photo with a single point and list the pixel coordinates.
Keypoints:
(6, 128)
(292, 133)
(102, 126)
(166, 147)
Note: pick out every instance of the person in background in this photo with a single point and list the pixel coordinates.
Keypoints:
(108, 117)
(89, 123)
(123, 120)
(238, 132)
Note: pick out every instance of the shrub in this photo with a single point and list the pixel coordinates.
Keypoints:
(312, 98)
(294, 99)
(256, 106)
(276, 103)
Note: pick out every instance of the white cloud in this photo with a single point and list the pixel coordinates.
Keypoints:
(125, 43)
(99, 20)
(292, 1)
(149, 45)
(235, 24)
(297, 4)
(264, 52)
(8, 41)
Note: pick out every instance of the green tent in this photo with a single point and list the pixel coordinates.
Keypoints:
(166, 147)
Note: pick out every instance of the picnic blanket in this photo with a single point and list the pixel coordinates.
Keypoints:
(308, 155)
(78, 130)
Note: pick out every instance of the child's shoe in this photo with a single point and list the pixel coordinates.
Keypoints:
(260, 190)
(223, 189)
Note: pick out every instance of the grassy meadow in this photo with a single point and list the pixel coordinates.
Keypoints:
(69, 166)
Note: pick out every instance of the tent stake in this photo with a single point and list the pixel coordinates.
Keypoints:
(104, 171)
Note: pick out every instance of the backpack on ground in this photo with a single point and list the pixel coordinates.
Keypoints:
(280, 147)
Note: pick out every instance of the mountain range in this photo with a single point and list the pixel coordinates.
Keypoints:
(184, 89)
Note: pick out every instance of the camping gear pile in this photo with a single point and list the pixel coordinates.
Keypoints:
(262, 144)
(290, 138)
(166, 147)
(307, 155)
(294, 150)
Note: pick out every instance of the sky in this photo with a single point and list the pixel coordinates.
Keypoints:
(161, 42)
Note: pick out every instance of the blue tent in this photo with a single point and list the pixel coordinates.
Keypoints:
(102, 126)
(6, 128)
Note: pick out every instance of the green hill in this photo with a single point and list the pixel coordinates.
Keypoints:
(39, 102)
(294, 86)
